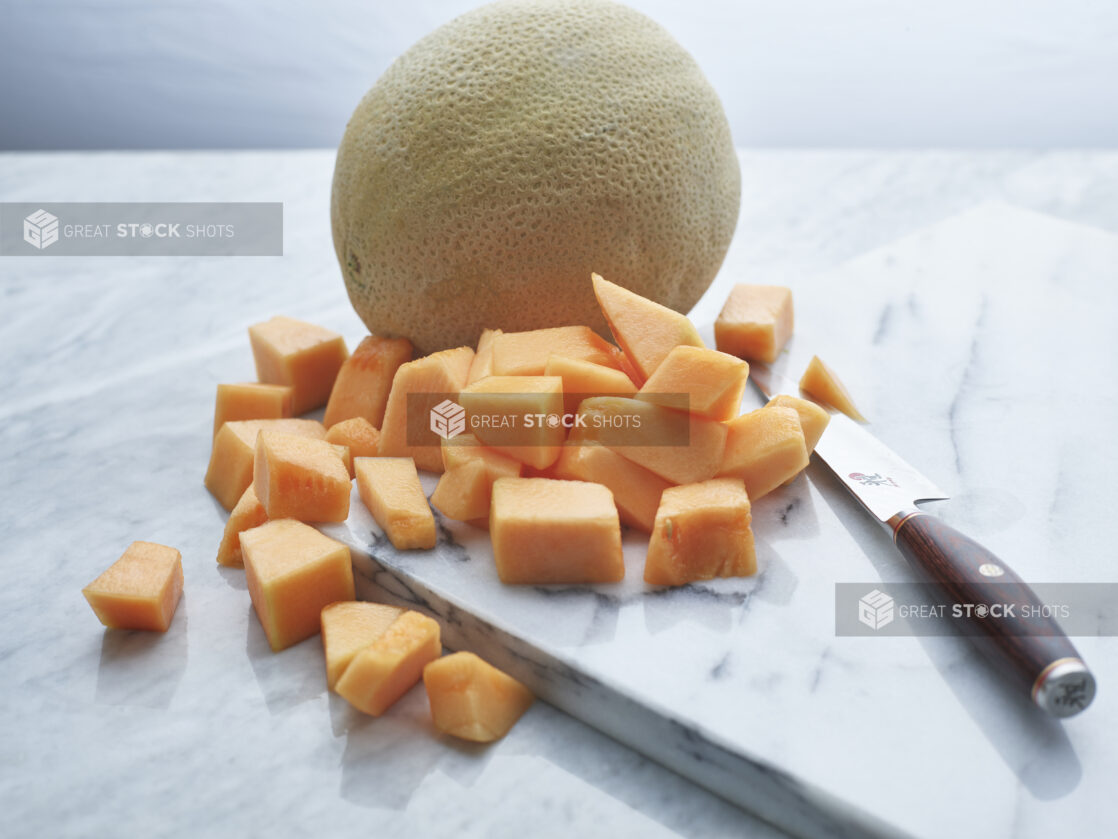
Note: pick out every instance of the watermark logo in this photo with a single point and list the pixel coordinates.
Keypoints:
(875, 609)
(448, 419)
(40, 229)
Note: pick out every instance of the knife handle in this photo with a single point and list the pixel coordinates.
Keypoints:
(1039, 657)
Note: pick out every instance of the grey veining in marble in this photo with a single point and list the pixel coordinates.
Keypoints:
(972, 333)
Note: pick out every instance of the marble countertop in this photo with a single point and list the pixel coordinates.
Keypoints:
(108, 376)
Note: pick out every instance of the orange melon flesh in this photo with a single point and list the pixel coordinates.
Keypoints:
(390, 488)
(304, 356)
(680, 448)
(346, 457)
(466, 448)
(418, 387)
(386, 669)
(295, 477)
(765, 448)
(511, 413)
(292, 572)
(364, 380)
(705, 382)
(251, 400)
(702, 531)
(358, 434)
(248, 513)
(813, 419)
(141, 590)
(645, 330)
(636, 491)
(582, 379)
(550, 531)
(482, 365)
(348, 628)
(472, 699)
(231, 460)
(627, 367)
(526, 353)
(463, 492)
(820, 383)
(755, 323)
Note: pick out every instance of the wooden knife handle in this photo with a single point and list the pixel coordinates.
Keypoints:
(1035, 653)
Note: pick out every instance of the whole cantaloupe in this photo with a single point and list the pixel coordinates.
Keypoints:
(518, 148)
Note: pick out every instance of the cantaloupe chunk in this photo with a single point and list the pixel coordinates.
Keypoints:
(765, 448)
(358, 434)
(248, 513)
(820, 383)
(549, 531)
(520, 416)
(251, 400)
(348, 628)
(813, 419)
(385, 670)
(418, 387)
(702, 531)
(295, 477)
(390, 488)
(462, 493)
(626, 366)
(636, 491)
(644, 329)
(292, 572)
(472, 699)
(230, 471)
(140, 590)
(679, 447)
(583, 379)
(466, 448)
(302, 355)
(365, 379)
(526, 353)
(705, 382)
(755, 323)
(482, 365)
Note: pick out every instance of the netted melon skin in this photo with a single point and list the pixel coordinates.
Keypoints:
(513, 151)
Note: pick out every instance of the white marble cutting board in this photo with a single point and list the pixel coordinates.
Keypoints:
(983, 348)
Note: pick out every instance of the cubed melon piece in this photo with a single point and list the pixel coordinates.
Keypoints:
(549, 531)
(679, 447)
(482, 365)
(365, 379)
(418, 387)
(248, 513)
(348, 628)
(520, 416)
(813, 419)
(636, 491)
(583, 379)
(645, 330)
(230, 471)
(820, 382)
(765, 448)
(295, 477)
(292, 572)
(358, 434)
(386, 669)
(702, 531)
(626, 366)
(251, 400)
(140, 590)
(305, 356)
(526, 353)
(755, 323)
(390, 488)
(466, 448)
(462, 493)
(472, 699)
(705, 382)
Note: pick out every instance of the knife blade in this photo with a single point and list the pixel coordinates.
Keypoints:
(1043, 660)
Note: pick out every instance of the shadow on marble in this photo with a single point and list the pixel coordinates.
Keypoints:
(711, 605)
(1033, 745)
(235, 577)
(143, 668)
(787, 513)
(287, 678)
(776, 581)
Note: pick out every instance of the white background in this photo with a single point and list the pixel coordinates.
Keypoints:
(287, 73)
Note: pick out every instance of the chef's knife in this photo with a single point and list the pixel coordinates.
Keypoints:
(1042, 660)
